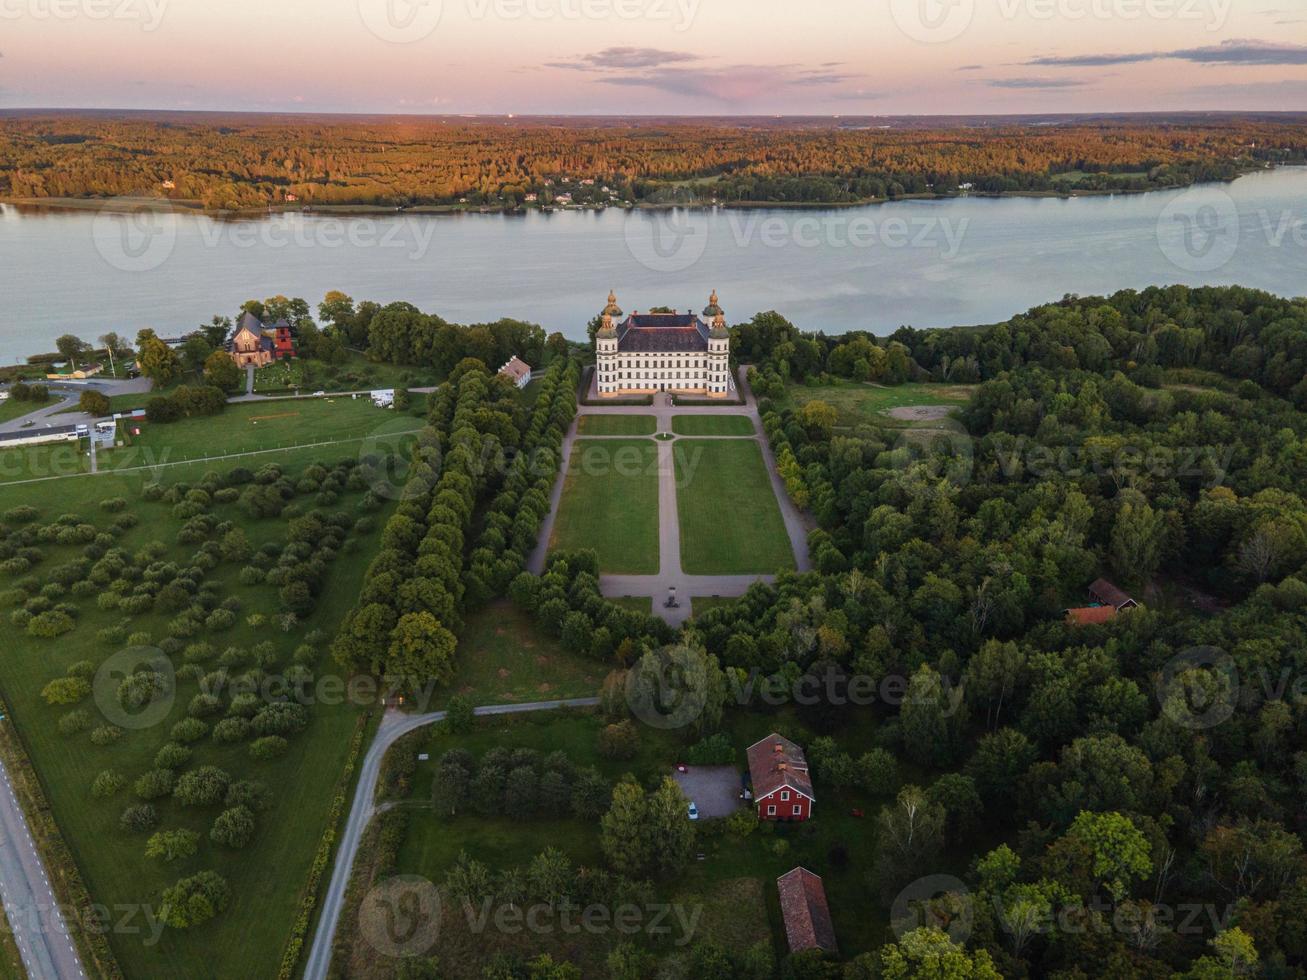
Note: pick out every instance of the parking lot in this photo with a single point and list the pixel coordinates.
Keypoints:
(715, 790)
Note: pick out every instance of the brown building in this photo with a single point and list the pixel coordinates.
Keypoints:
(805, 912)
(782, 787)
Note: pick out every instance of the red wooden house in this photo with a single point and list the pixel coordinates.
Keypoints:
(782, 787)
(283, 340)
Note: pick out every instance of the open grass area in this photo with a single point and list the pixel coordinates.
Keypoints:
(635, 603)
(701, 604)
(610, 504)
(712, 425)
(857, 403)
(355, 373)
(250, 426)
(12, 408)
(36, 462)
(616, 425)
(267, 876)
(716, 477)
(504, 658)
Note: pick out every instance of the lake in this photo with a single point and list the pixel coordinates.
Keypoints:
(924, 263)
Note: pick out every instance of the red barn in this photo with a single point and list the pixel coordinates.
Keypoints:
(782, 787)
(283, 340)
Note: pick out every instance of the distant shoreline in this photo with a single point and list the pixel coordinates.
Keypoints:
(126, 205)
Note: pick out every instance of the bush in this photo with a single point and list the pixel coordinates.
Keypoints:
(172, 844)
(280, 718)
(50, 624)
(231, 730)
(205, 786)
(153, 784)
(268, 747)
(189, 730)
(106, 735)
(194, 900)
(172, 756)
(106, 783)
(249, 793)
(620, 741)
(203, 705)
(715, 750)
(139, 818)
(233, 828)
(74, 722)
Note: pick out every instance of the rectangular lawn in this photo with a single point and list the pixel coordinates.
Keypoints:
(718, 479)
(610, 504)
(616, 425)
(712, 425)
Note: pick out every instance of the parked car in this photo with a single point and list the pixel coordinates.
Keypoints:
(694, 811)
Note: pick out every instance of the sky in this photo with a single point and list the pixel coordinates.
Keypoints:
(838, 57)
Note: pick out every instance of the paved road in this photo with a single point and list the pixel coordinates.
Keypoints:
(670, 573)
(393, 725)
(38, 925)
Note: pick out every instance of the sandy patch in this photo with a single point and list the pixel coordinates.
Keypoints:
(503, 672)
(920, 413)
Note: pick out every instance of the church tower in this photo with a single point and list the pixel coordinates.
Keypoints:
(719, 348)
(606, 346)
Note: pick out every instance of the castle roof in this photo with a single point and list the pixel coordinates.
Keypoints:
(662, 333)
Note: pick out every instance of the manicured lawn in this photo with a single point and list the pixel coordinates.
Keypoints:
(504, 658)
(12, 408)
(34, 462)
(610, 504)
(701, 604)
(720, 478)
(857, 403)
(266, 877)
(635, 603)
(712, 425)
(249, 426)
(616, 425)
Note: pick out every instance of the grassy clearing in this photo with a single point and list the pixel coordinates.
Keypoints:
(251, 426)
(858, 403)
(701, 604)
(12, 408)
(728, 476)
(610, 504)
(36, 462)
(247, 939)
(504, 659)
(616, 425)
(712, 425)
(355, 373)
(635, 603)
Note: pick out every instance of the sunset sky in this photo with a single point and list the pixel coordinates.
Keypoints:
(849, 57)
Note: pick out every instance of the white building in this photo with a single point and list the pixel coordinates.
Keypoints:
(383, 397)
(649, 352)
(517, 371)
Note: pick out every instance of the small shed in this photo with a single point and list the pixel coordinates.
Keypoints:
(805, 911)
(1108, 594)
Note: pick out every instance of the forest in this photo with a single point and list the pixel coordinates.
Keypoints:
(241, 162)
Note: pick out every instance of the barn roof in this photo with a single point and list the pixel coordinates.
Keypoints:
(774, 762)
(805, 911)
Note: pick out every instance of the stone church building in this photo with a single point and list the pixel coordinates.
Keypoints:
(651, 352)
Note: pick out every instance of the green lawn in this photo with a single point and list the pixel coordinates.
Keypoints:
(35, 462)
(610, 504)
(504, 658)
(701, 604)
(712, 425)
(249, 426)
(616, 425)
(266, 877)
(635, 603)
(857, 403)
(717, 477)
(354, 374)
(12, 408)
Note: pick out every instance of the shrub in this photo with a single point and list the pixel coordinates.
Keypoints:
(50, 624)
(204, 786)
(231, 730)
(172, 844)
(172, 756)
(74, 722)
(106, 735)
(233, 828)
(66, 690)
(268, 747)
(620, 741)
(203, 705)
(189, 730)
(194, 900)
(113, 504)
(249, 793)
(280, 718)
(153, 784)
(106, 783)
(139, 818)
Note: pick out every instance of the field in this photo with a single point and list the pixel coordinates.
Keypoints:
(616, 425)
(858, 403)
(356, 373)
(701, 604)
(19, 463)
(728, 476)
(610, 504)
(712, 425)
(12, 408)
(248, 937)
(251, 426)
(503, 658)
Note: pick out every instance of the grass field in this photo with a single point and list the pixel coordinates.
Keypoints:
(504, 658)
(857, 403)
(616, 425)
(610, 504)
(712, 425)
(250, 426)
(635, 603)
(36, 462)
(354, 374)
(248, 937)
(715, 477)
(11, 408)
(701, 604)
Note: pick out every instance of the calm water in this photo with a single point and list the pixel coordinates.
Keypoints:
(925, 263)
